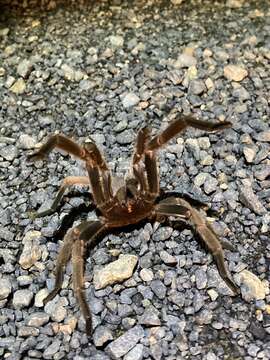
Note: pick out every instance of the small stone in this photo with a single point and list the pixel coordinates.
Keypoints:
(51, 349)
(18, 87)
(24, 68)
(117, 41)
(24, 280)
(158, 288)
(135, 354)
(209, 84)
(163, 233)
(250, 200)
(206, 160)
(116, 271)
(25, 331)
(167, 258)
(2, 71)
(235, 73)
(235, 4)
(67, 328)
(5, 234)
(253, 350)
(241, 93)
(69, 72)
(150, 317)
(210, 185)
(40, 296)
(26, 142)
(125, 137)
(121, 126)
(5, 288)
(130, 100)
(263, 172)
(125, 342)
(146, 274)
(196, 87)
(175, 76)
(31, 252)
(201, 279)
(204, 143)
(56, 310)
(249, 153)
(251, 286)
(101, 336)
(262, 136)
(22, 298)
(38, 319)
(9, 152)
(213, 294)
(185, 60)
(200, 179)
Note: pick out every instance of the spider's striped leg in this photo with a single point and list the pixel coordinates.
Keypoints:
(180, 124)
(57, 141)
(138, 169)
(204, 230)
(99, 175)
(150, 182)
(63, 257)
(66, 183)
(85, 233)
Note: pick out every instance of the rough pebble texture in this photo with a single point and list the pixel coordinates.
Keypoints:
(105, 69)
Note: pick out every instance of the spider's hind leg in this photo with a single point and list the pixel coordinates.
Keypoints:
(180, 207)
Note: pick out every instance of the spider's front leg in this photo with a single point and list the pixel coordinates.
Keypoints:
(180, 207)
(57, 141)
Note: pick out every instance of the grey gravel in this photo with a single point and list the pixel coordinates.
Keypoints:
(51, 349)
(136, 353)
(125, 342)
(104, 70)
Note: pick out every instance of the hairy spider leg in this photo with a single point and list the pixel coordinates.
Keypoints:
(150, 182)
(62, 259)
(61, 142)
(181, 123)
(66, 183)
(99, 175)
(74, 243)
(204, 230)
(138, 169)
(86, 234)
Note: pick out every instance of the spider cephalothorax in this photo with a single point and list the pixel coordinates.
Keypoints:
(135, 200)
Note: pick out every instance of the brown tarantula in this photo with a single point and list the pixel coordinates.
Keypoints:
(138, 199)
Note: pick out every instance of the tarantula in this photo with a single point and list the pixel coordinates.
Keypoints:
(138, 199)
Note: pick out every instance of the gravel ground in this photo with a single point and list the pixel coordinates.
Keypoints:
(105, 70)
